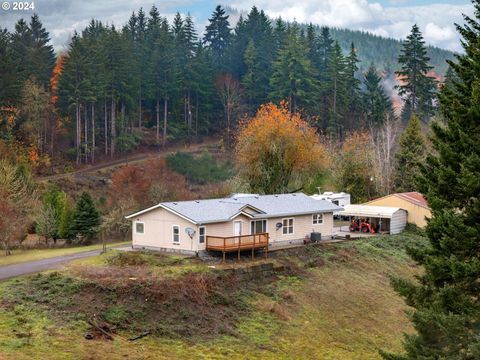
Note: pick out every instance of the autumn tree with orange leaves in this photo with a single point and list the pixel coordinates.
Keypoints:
(277, 151)
(354, 168)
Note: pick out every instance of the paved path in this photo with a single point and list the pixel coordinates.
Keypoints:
(10, 271)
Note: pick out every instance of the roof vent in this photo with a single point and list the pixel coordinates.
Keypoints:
(256, 197)
(197, 201)
(276, 195)
(174, 203)
(294, 194)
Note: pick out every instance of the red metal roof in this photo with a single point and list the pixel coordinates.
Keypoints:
(413, 197)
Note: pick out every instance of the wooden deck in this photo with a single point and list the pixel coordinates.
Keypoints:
(238, 243)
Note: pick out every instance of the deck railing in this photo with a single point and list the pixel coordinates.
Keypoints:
(238, 243)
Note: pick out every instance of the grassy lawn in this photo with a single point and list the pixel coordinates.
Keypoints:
(19, 256)
(332, 302)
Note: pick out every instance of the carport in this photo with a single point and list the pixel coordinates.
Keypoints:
(387, 219)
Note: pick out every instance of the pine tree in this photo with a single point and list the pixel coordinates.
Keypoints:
(251, 79)
(86, 218)
(321, 60)
(293, 77)
(445, 299)
(279, 33)
(217, 36)
(258, 57)
(41, 58)
(336, 85)
(353, 95)
(377, 105)
(411, 153)
(417, 87)
(9, 82)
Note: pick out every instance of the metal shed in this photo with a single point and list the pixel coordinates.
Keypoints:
(389, 219)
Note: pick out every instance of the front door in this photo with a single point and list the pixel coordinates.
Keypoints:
(237, 228)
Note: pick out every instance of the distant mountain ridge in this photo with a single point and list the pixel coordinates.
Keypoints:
(383, 52)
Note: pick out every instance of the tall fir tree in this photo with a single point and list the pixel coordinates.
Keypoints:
(322, 60)
(293, 76)
(352, 83)
(9, 87)
(445, 299)
(410, 155)
(337, 91)
(218, 36)
(41, 58)
(416, 87)
(377, 106)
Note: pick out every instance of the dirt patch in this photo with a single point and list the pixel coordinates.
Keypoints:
(192, 306)
(345, 255)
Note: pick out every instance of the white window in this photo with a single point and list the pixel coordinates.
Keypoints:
(139, 227)
(176, 233)
(258, 226)
(317, 219)
(287, 226)
(201, 234)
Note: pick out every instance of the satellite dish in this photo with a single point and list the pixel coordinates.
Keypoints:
(278, 225)
(190, 232)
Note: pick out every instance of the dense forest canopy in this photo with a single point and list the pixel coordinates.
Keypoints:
(114, 84)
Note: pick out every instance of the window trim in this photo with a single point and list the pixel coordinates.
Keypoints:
(313, 219)
(293, 226)
(204, 234)
(139, 222)
(173, 234)
(266, 226)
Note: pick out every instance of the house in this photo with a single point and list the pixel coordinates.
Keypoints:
(387, 219)
(340, 199)
(413, 202)
(239, 222)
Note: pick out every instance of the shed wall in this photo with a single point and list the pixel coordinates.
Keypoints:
(398, 222)
(416, 214)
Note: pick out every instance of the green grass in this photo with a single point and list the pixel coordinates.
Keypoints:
(201, 169)
(335, 302)
(20, 256)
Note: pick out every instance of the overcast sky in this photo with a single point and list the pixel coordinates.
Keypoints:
(392, 18)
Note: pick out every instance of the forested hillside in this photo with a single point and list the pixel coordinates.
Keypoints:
(150, 81)
(384, 52)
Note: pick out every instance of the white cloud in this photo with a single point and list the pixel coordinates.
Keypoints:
(436, 21)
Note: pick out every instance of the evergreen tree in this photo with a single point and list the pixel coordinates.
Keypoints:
(352, 84)
(41, 58)
(279, 33)
(322, 60)
(377, 105)
(217, 36)
(411, 153)
(417, 88)
(9, 84)
(293, 78)
(258, 57)
(445, 298)
(86, 218)
(251, 80)
(337, 92)
(163, 64)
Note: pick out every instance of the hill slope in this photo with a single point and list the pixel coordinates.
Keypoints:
(332, 302)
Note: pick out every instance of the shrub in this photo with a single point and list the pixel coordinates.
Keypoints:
(202, 169)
